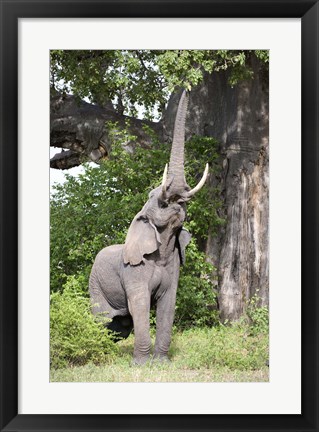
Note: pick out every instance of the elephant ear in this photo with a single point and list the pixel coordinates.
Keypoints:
(142, 238)
(183, 238)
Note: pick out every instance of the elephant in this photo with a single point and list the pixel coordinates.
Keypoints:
(126, 280)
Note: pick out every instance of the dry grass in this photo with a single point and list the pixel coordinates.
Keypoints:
(154, 374)
(229, 354)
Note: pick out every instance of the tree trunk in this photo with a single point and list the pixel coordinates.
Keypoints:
(238, 118)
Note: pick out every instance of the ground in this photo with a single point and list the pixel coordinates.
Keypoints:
(206, 355)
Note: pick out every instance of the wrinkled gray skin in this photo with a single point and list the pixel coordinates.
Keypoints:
(126, 280)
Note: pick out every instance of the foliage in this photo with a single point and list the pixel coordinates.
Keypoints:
(130, 79)
(204, 208)
(262, 55)
(258, 316)
(95, 210)
(76, 337)
(196, 297)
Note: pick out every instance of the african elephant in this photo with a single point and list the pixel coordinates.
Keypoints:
(126, 280)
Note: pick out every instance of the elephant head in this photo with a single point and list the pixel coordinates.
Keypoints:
(165, 211)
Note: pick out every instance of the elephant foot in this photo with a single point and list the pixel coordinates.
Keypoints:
(140, 361)
(161, 358)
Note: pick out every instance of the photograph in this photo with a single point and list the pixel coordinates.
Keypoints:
(159, 215)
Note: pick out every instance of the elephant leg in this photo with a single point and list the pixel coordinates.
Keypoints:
(164, 321)
(121, 322)
(100, 306)
(139, 307)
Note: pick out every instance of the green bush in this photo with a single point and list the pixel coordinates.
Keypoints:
(258, 316)
(76, 337)
(196, 297)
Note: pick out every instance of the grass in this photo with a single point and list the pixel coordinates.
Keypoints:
(221, 354)
(154, 374)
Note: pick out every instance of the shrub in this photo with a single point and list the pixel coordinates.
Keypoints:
(258, 316)
(196, 297)
(76, 337)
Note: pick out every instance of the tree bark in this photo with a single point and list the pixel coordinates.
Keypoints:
(238, 118)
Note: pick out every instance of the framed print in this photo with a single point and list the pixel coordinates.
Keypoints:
(245, 342)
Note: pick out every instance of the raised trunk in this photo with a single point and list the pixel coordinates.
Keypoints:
(176, 162)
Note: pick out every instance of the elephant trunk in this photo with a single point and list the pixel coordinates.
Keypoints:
(176, 163)
(174, 182)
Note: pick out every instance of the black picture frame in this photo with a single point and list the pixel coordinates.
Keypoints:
(11, 11)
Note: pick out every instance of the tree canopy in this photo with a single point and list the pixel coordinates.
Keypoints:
(128, 79)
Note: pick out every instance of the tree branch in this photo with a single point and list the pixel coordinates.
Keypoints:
(81, 128)
(65, 160)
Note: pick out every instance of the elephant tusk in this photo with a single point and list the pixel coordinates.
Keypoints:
(200, 184)
(164, 181)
